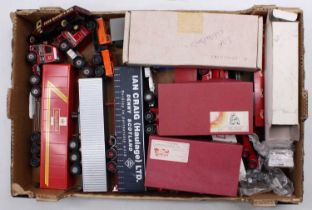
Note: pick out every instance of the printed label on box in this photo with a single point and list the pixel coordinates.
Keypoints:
(229, 121)
(281, 158)
(169, 151)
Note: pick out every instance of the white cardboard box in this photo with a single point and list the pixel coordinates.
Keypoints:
(169, 38)
(281, 80)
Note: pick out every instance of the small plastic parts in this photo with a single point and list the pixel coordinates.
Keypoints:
(272, 180)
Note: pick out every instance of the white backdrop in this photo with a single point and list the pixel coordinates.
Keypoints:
(7, 202)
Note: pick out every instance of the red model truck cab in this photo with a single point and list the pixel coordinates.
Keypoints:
(56, 125)
(41, 54)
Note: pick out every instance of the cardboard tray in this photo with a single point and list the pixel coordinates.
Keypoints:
(24, 179)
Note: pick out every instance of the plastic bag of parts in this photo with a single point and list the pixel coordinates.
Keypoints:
(255, 182)
(280, 183)
(259, 182)
(274, 156)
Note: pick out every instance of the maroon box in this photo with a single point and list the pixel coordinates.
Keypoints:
(205, 108)
(193, 166)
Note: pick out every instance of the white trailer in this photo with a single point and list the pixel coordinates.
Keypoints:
(92, 134)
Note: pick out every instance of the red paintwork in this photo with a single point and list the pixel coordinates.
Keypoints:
(73, 39)
(185, 74)
(208, 168)
(259, 98)
(45, 53)
(184, 108)
(249, 153)
(55, 132)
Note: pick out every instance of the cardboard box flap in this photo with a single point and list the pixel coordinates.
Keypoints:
(9, 96)
(17, 190)
(50, 195)
(304, 105)
(264, 203)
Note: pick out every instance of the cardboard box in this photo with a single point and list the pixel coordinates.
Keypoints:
(193, 166)
(193, 39)
(196, 108)
(24, 180)
(281, 81)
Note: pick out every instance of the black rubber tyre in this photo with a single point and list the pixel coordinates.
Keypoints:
(99, 71)
(87, 71)
(34, 162)
(31, 57)
(36, 91)
(34, 79)
(31, 39)
(91, 25)
(112, 141)
(79, 62)
(111, 154)
(150, 129)
(35, 138)
(74, 144)
(64, 46)
(64, 23)
(34, 149)
(149, 116)
(74, 156)
(75, 169)
(149, 97)
(97, 59)
(111, 166)
(76, 27)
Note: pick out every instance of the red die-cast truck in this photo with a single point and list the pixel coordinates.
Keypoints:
(56, 125)
(46, 29)
(42, 54)
(38, 55)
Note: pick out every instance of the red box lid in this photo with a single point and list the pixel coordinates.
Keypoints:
(193, 166)
(205, 108)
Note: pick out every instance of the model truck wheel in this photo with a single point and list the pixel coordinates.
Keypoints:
(149, 116)
(111, 153)
(64, 23)
(34, 79)
(31, 57)
(35, 138)
(88, 71)
(35, 149)
(75, 169)
(34, 162)
(75, 156)
(36, 91)
(76, 27)
(74, 144)
(31, 39)
(111, 166)
(97, 59)
(150, 129)
(112, 141)
(79, 62)
(99, 71)
(64, 46)
(91, 25)
(149, 97)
